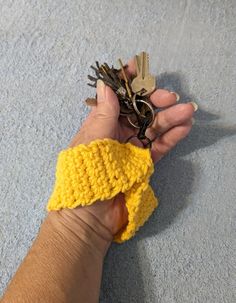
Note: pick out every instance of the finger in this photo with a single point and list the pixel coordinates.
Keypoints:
(162, 145)
(107, 102)
(171, 117)
(164, 98)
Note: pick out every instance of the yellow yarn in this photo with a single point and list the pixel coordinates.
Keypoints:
(101, 170)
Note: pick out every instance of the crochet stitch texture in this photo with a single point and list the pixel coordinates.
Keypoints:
(101, 170)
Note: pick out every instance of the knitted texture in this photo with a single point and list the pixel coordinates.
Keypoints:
(101, 170)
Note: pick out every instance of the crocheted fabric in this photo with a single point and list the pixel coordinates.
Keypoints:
(101, 170)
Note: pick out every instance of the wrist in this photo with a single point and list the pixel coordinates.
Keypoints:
(81, 231)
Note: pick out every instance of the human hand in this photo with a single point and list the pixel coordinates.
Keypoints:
(171, 124)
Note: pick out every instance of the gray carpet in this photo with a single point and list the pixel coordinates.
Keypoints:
(186, 252)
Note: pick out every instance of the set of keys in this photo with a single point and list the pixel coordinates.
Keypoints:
(133, 93)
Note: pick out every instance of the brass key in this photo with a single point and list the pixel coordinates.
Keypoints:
(144, 83)
(125, 78)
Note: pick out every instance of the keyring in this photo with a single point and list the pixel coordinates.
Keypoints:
(145, 102)
(132, 123)
(139, 113)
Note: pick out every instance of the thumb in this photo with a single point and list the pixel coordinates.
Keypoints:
(107, 101)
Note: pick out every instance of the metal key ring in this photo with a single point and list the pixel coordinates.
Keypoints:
(137, 126)
(145, 102)
(138, 112)
(132, 123)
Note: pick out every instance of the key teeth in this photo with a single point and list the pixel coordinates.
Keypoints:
(91, 78)
(92, 85)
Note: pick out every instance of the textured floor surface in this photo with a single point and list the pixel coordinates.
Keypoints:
(186, 252)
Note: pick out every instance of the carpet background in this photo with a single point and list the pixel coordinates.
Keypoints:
(186, 252)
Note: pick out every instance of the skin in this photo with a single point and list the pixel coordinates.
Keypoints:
(65, 261)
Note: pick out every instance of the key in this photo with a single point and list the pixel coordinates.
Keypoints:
(110, 76)
(144, 83)
(125, 79)
(136, 61)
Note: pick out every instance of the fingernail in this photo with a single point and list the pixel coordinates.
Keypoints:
(195, 106)
(176, 96)
(193, 121)
(100, 84)
(101, 92)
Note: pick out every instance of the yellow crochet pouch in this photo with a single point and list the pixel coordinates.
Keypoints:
(101, 170)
